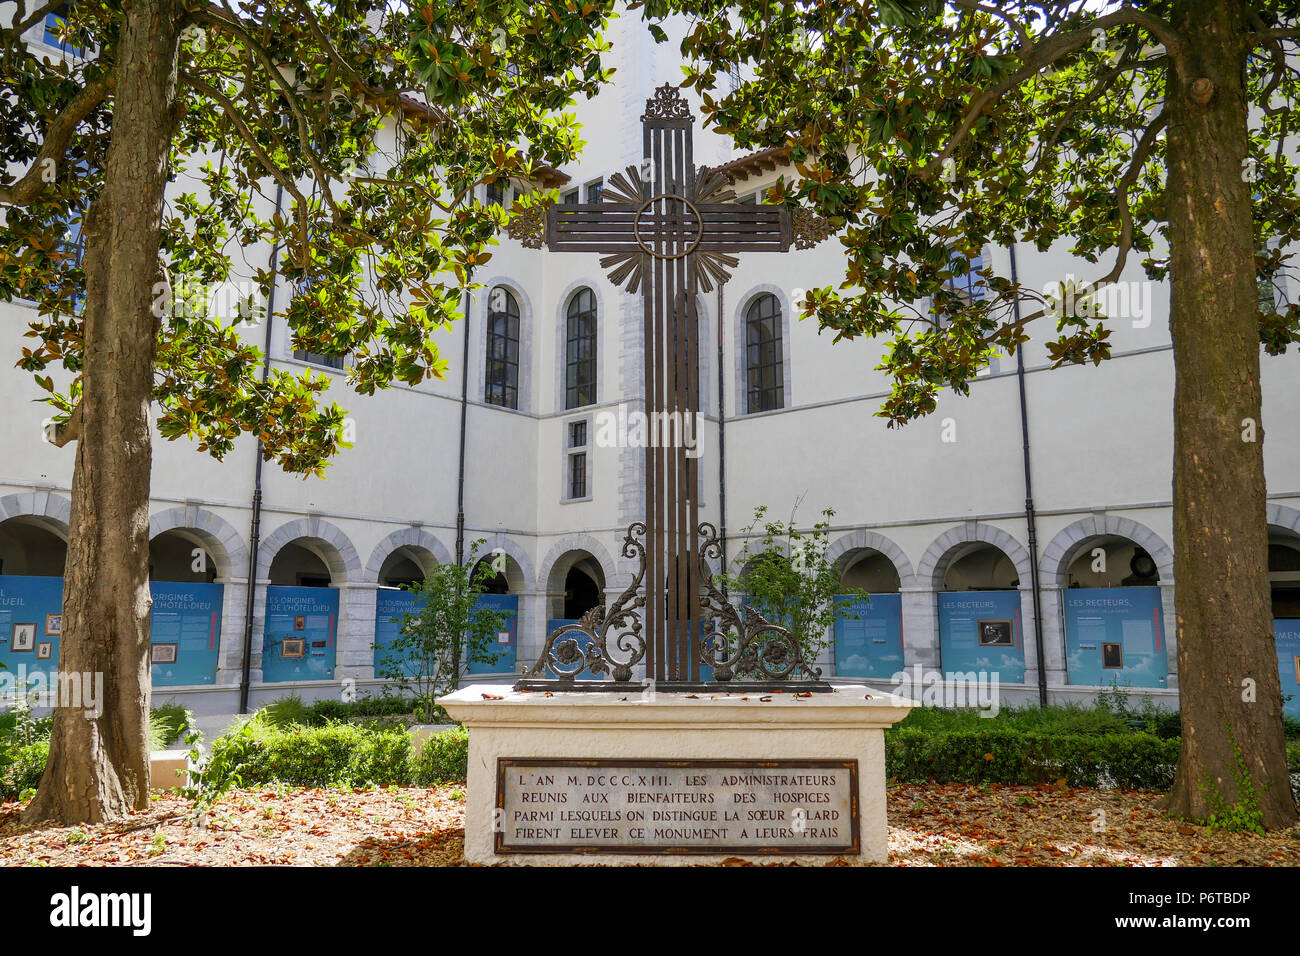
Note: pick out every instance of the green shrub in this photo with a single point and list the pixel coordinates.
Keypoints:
(1131, 760)
(168, 723)
(21, 769)
(286, 711)
(443, 759)
(347, 755)
(323, 711)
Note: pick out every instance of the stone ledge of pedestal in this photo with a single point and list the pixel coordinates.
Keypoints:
(846, 725)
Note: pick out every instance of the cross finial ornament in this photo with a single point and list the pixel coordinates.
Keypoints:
(670, 230)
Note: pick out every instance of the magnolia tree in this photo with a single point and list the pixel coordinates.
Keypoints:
(787, 575)
(1153, 134)
(174, 137)
(448, 629)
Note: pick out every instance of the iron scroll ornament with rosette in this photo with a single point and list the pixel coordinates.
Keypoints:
(740, 645)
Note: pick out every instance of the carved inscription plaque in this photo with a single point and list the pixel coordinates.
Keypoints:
(616, 806)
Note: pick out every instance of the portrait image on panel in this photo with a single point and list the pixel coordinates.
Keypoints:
(1297, 669)
(24, 637)
(44, 650)
(292, 647)
(996, 634)
(163, 654)
(300, 623)
(1112, 655)
(53, 625)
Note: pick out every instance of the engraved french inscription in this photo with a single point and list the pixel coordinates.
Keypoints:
(570, 805)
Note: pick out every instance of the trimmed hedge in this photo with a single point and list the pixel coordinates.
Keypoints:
(1132, 761)
(443, 759)
(346, 755)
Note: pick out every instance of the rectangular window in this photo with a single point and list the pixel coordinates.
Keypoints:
(577, 437)
(570, 198)
(578, 475)
(496, 193)
(595, 190)
(316, 358)
(54, 26)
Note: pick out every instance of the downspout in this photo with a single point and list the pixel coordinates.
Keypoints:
(722, 449)
(1030, 516)
(255, 530)
(460, 479)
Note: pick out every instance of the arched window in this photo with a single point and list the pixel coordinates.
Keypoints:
(764, 363)
(501, 378)
(580, 351)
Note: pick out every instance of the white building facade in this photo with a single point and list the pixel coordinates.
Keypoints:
(934, 508)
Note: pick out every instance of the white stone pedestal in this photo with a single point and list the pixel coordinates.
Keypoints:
(698, 746)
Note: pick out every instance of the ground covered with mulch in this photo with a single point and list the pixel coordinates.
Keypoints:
(929, 826)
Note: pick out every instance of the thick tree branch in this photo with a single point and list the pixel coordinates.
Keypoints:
(29, 188)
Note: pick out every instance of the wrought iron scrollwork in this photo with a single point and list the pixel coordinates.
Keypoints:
(616, 643)
(743, 644)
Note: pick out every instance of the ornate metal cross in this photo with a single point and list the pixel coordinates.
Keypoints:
(668, 230)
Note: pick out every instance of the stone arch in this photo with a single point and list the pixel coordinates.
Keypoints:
(1070, 540)
(428, 552)
(939, 555)
(53, 512)
(34, 533)
(209, 531)
(578, 542)
(516, 553)
(326, 540)
(1280, 516)
(842, 546)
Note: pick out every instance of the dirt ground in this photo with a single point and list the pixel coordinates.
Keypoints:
(929, 826)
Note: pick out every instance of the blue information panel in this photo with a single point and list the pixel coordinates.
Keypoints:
(298, 642)
(506, 640)
(31, 620)
(872, 644)
(1115, 634)
(184, 632)
(390, 605)
(980, 631)
(1287, 634)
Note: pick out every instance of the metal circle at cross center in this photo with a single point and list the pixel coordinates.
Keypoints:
(690, 219)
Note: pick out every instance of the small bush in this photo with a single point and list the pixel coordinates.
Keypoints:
(443, 759)
(168, 723)
(21, 769)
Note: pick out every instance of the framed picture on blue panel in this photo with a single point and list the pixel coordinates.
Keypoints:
(44, 650)
(1297, 670)
(1112, 656)
(292, 647)
(53, 625)
(163, 653)
(996, 634)
(24, 637)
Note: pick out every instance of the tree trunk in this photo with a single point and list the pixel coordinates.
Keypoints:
(1228, 678)
(99, 752)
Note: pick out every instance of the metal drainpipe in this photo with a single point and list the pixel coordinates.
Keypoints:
(722, 449)
(255, 530)
(464, 407)
(1030, 517)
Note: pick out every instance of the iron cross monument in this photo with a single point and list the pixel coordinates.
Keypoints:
(669, 230)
